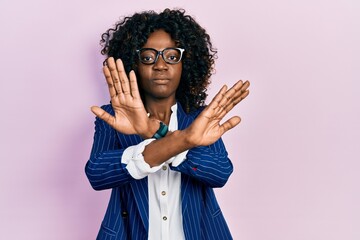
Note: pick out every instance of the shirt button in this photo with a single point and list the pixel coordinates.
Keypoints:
(164, 218)
(164, 167)
(163, 193)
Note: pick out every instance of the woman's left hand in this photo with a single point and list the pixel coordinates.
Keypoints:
(206, 129)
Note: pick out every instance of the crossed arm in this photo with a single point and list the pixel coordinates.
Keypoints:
(209, 165)
(130, 116)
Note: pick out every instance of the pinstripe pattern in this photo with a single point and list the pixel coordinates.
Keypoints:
(127, 213)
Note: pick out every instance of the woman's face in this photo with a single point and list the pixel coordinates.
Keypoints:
(159, 80)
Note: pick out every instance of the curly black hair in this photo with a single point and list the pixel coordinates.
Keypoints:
(131, 33)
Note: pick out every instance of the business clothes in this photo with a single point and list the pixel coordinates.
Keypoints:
(127, 215)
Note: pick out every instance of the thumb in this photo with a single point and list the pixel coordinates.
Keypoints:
(102, 114)
(97, 111)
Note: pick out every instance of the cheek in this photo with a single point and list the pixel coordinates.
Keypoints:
(142, 74)
(178, 70)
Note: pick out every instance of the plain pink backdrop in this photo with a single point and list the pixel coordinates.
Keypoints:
(296, 153)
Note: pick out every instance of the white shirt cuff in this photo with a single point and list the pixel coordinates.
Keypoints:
(136, 165)
(178, 159)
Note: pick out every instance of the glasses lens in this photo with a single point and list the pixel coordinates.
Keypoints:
(147, 56)
(172, 55)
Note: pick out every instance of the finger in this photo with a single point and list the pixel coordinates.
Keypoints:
(214, 107)
(102, 114)
(133, 85)
(226, 102)
(244, 95)
(107, 74)
(235, 101)
(229, 124)
(115, 80)
(245, 85)
(238, 98)
(124, 81)
(235, 89)
(214, 104)
(235, 95)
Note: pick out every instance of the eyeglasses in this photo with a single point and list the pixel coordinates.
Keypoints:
(150, 55)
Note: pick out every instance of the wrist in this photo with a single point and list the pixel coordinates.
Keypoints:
(152, 127)
(161, 132)
(186, 139)
(189, 138)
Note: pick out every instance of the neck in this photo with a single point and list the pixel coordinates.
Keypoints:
(160, 109)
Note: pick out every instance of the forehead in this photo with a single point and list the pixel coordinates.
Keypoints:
(159, 40)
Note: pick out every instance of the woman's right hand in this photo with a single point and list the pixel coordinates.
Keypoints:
(130, 114)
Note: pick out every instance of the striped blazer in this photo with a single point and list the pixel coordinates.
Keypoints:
(127, 215)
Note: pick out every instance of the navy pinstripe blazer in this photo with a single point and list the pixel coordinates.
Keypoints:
(127, 215)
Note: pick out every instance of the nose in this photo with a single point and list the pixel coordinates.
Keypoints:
(160, 64)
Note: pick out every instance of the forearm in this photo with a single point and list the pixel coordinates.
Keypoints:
(105, 170)
(161, 150)
(207, 164)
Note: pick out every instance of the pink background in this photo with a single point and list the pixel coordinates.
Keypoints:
(296, 152)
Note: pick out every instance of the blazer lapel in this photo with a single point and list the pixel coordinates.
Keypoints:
(140, 193)
(184, 120)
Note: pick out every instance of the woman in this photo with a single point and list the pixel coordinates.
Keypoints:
(156, 145)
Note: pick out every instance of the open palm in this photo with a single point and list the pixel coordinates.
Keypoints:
(130, 114)
(206, 129)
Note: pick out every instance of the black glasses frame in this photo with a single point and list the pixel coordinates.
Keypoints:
(159, 53)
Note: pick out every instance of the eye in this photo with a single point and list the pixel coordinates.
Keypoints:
(172, 58)
(147, 58)
(172, 55)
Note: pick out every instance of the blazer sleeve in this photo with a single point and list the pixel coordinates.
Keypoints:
(104, 168)
(208, 164)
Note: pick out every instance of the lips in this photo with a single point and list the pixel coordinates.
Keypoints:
(160, 80)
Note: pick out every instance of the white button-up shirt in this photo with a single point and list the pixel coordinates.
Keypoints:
(164, 188)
